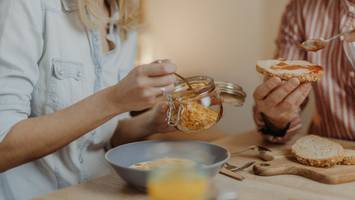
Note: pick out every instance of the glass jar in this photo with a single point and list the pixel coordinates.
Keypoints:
(202, 107)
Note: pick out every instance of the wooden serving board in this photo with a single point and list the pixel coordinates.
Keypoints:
(286, 164)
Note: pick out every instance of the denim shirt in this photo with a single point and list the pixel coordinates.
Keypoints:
(49, 61)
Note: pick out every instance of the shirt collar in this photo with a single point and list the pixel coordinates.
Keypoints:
(72, 5)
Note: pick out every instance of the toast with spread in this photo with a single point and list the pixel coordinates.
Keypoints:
(287, 69)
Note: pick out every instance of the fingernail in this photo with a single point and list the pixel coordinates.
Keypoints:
(276, 80)
(295, 81)
(160, 61)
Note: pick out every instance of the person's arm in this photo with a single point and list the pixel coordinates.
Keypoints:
(24, 139)
(34, 138)
(140, 126)
(291, 34)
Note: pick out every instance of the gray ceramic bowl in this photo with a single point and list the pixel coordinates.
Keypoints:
(211, 156)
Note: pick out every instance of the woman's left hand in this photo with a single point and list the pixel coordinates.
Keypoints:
(141, 126)
(157, 119)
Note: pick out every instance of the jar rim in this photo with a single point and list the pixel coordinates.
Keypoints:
(180, 85)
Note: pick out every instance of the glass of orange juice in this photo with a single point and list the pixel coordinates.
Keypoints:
(177, 183)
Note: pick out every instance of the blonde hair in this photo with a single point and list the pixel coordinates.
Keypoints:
(129, 14)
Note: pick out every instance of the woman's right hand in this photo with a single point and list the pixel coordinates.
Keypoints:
(141, 87)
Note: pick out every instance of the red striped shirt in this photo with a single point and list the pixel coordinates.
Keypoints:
(335, 92)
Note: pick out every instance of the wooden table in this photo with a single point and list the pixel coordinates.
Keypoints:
(285, 187)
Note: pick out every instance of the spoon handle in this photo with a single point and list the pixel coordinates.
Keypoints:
(185, 80)
(339, 35)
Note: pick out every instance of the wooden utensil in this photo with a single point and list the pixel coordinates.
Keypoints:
(235, 168)
(231, 170)
(251, 148)
(231, 174)
(263, 152)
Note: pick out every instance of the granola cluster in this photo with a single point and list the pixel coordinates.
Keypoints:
(190, 113)
(195, 117)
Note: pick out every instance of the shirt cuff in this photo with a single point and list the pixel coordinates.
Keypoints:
(295, 123)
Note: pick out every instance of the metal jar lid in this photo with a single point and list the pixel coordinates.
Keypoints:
(232, 93)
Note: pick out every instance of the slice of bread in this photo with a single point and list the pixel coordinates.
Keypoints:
(316, 151)
(287, 69)
(349, 157)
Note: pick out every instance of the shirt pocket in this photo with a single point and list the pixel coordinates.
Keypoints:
(65, 83)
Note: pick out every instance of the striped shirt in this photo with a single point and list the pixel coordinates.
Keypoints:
(335, 92)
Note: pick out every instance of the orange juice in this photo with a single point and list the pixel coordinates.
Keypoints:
(177, 184)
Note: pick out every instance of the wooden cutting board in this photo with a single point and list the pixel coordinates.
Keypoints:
(286, 164)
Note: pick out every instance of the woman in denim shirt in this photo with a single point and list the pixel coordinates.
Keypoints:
(66, 82)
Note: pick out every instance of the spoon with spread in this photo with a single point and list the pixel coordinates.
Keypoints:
(318, 44)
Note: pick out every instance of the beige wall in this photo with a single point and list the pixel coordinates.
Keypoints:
(219, 38)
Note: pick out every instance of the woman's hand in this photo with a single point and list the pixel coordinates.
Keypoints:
(157, 119)
(141, 126)
(140, 88)
(280, 101)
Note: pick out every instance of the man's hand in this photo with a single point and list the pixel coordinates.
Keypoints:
(280, 100)
(350, 37)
